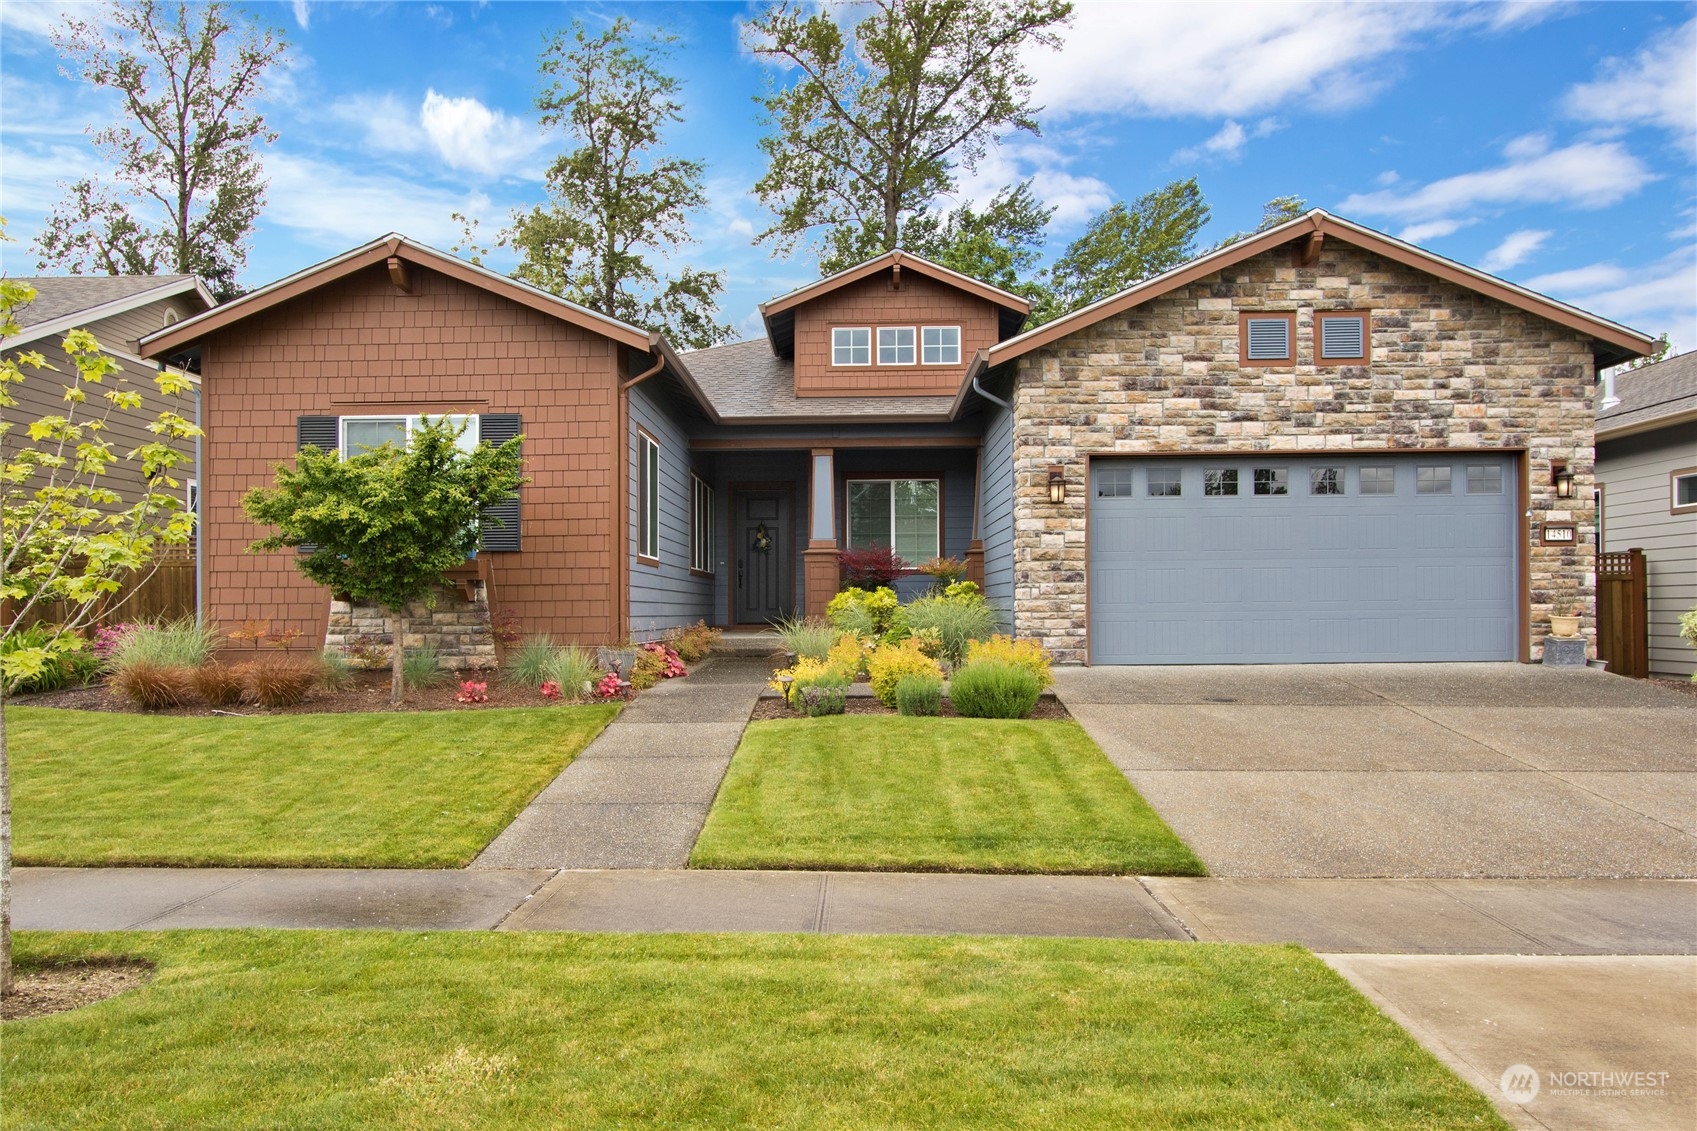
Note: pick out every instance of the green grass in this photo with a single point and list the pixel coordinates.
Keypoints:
(961, 795)
(413, 789)
(325, 1030)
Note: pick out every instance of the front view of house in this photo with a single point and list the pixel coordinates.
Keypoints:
(1318, 444)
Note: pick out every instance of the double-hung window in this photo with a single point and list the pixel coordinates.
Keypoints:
(895, 345)
(367, 433)
(700, 525)
(647, 498)
(851, 345)
(903, 514)
(940, 345)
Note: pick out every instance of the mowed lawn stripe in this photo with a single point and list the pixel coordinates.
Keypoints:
(967, 795)
(418, 789)
(328, 1030)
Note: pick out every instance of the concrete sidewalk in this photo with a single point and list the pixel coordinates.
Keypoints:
(637, 796)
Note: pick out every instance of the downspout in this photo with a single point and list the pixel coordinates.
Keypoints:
(199, 509)
(622, 511)
(979, 368)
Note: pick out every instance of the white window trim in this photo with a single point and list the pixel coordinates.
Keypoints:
(647, 502)
(700, 525)
(891, 480)
(871, 347)
(468, 439)
(878, 348)
(1674, 477)
(922, 360)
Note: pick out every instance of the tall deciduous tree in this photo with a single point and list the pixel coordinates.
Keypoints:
(614, 202)
(386, 525)
(188, 185)
(1279, 210)
(875, 126)
(1127, 243)
(67, 538)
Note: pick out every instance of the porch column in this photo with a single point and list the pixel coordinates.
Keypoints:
(819, 560)
(975, 548)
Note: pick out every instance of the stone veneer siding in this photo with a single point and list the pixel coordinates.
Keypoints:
(458, 629)
(1449, 368)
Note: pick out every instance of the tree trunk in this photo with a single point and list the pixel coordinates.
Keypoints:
(5, 855)
(397, 676)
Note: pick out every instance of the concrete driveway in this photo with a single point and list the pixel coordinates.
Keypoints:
(1406, 770)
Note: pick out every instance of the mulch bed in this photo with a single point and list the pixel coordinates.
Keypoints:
(57, 987)
(366, 691)
(1046, 708)
(1684, 686)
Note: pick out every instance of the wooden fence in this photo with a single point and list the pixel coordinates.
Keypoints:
(165, 593)
(1623, 616)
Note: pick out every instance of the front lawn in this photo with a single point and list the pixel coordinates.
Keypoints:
(417, 789)
(323, 1030)
(957, 795)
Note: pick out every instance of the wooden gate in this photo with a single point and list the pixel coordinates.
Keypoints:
(1623, 617)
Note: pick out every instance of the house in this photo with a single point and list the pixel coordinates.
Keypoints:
(118, 310)
(1319, 443)
(1647, 488)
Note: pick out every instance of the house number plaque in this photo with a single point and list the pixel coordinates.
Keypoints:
(1559, 533)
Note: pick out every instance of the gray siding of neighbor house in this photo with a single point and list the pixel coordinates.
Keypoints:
(995, 522)
(123, 331)
(667, 595)
(1634, 472)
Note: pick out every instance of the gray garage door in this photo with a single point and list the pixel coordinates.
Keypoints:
(1303, 560)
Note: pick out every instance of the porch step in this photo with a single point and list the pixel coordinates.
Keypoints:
(748, 642)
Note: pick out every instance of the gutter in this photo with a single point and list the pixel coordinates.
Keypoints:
(1670, 420)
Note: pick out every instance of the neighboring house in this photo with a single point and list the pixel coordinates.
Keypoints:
(1316, 444)
(118, 310)
(1647, 479)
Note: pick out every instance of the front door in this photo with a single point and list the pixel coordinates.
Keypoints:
(763, 549)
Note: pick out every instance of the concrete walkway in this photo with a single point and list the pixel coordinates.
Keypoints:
(637, 796)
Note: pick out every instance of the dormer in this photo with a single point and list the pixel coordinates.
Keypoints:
(897, 325)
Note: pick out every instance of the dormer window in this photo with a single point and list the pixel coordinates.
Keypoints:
(851, 345)
(895, 345)
(941, 345)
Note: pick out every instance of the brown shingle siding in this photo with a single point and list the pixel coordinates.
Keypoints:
(872, 302)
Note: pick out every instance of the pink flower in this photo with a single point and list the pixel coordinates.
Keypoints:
(550, 690)
(473, 691)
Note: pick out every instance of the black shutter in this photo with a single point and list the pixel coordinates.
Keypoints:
(500, 522)
(322, 432)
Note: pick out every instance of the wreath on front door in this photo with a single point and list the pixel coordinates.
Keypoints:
(762, 540)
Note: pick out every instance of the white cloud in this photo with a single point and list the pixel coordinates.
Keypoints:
(1432, 230)
(469, 135)
(385, 122)
(42, 20)
(1387, 178)
(336, 207)
(1657, 86)
(1075, 199)
(1516, 248)
(1654, 297)
(1588, 174)
(303, 13)
(1228, 144)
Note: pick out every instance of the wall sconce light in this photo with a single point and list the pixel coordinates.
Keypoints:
(1563, 479)
(1057, 484)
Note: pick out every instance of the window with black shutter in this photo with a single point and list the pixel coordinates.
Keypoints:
(323, 433)
(501, 521)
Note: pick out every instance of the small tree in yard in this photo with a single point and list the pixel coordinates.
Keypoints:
(387, 524)
(66, 537)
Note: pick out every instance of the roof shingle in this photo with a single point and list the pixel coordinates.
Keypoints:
(60, 296)
(1665, 389)
(745, 380)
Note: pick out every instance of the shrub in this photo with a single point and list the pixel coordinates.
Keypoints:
(849, 654)
(919, 695)
(693, 642)
(370, 651)
(822, 699)
(66, 661)
(958, 622)
(219, 685)
(279, 682)
(422, 667)
(890, 662)
(551, 691)
(1027, 654)
(573, 671)
(942, 571)
(609, 686)
(176, 644)
(106, 639)
(863, 612)
(528, 664)
(808, 638)
(991, 689)
(505, 627)
(334, 671)
(870, 569)
(648, 670)
(154, 687)
(472, 691)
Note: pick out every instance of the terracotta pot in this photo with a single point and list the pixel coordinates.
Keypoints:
(1565, 627)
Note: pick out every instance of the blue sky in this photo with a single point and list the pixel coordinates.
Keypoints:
(1553, 144)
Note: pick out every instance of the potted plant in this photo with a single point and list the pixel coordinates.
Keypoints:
(1566, 627)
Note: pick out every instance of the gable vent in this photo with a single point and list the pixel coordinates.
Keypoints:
(1342, 337)
(1269, 339)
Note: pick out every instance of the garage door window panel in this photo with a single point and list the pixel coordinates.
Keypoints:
(1432, 481)
(1272, 481)
(1113, 483)
(1164, 483)
(1378, 480)
(1325, 481)
(1484, 479)
(1220, 482)
(902, 514)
